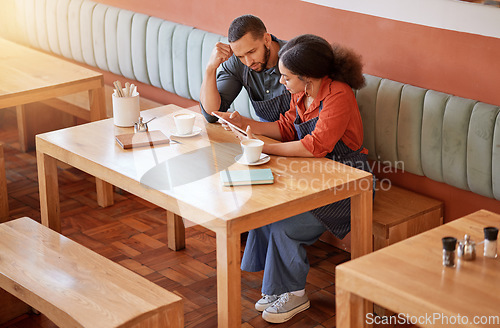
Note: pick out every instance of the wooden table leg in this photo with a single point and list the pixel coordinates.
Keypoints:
(22, 127)
(361, 224)
(97, 104)
(176, 232)
(98, 112)
(349, 309)
(105, 195)
(49, 191)
(4, 197)
(361, 233)
(228, 279)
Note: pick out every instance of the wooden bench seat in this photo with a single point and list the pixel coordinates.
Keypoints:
(76, 287)
(397, 214)
(4, 201)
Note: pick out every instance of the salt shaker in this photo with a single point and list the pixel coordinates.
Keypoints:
(490, 242)
(449, 245)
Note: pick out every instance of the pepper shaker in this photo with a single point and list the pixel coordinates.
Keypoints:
(449, 245)
(490, 242)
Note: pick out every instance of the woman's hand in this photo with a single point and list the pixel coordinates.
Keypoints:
(234, 117)
(241, 136)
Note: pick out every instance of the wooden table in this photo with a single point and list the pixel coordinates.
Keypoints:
(4, 201)
(28, 76)
(409, 278)
(184, 179)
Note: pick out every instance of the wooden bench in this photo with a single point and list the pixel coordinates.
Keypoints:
(74, 286)
(397, 214)
(4, 199)
(400, 213)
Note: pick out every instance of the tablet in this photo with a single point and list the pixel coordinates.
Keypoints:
(230, 124)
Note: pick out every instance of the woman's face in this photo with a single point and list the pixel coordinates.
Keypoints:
(290, 80)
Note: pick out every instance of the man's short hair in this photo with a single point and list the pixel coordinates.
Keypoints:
(245, 24)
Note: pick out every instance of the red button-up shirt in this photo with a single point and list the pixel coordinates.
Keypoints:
(339, 119)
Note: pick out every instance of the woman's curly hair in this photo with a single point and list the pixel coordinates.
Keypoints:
(309, 55)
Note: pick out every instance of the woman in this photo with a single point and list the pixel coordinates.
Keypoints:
(323, 121)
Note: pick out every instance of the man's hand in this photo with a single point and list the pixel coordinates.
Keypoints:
(220, 54)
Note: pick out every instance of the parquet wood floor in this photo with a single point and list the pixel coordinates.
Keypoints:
(132, 233)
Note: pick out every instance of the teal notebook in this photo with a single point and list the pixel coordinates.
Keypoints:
(246, 177)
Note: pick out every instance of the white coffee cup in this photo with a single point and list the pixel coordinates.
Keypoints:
(252, 148)
(126, 110)
(184, 123)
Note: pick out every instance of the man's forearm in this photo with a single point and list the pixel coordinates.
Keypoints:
(209, 95)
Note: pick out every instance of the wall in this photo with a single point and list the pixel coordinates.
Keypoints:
(458, 63)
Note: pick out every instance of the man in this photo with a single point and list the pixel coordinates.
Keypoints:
(250, 60)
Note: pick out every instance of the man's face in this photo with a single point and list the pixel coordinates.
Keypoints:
(254, 53)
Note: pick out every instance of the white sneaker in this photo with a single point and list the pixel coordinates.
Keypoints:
(265, 302)
(285, 308)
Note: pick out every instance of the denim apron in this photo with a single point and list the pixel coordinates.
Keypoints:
(336, 217)
(268, 110)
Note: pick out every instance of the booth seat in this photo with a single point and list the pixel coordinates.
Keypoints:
(428, 133)
(440, 136)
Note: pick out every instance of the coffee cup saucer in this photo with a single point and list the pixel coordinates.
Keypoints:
(196, 131)
(264, 158)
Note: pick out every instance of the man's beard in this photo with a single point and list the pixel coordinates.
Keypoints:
(263, 65)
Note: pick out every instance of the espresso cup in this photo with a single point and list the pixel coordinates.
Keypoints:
(252, 148)
(184, 123)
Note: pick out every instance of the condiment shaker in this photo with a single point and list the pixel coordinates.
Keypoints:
(142, 126)
(467, 249)
(490, 242)
(449, 245)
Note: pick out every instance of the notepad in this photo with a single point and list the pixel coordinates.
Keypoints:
(141, 139)
(246, 177)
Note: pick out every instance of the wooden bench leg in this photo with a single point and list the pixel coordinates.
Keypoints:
(49, 191)
(22, 127)
(176, 232)
(4, 197)
(11, 307)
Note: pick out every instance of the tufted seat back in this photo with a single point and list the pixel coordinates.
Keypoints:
(443, 137)
(139, 47)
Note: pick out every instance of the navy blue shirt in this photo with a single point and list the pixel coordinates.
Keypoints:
(261, 85)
